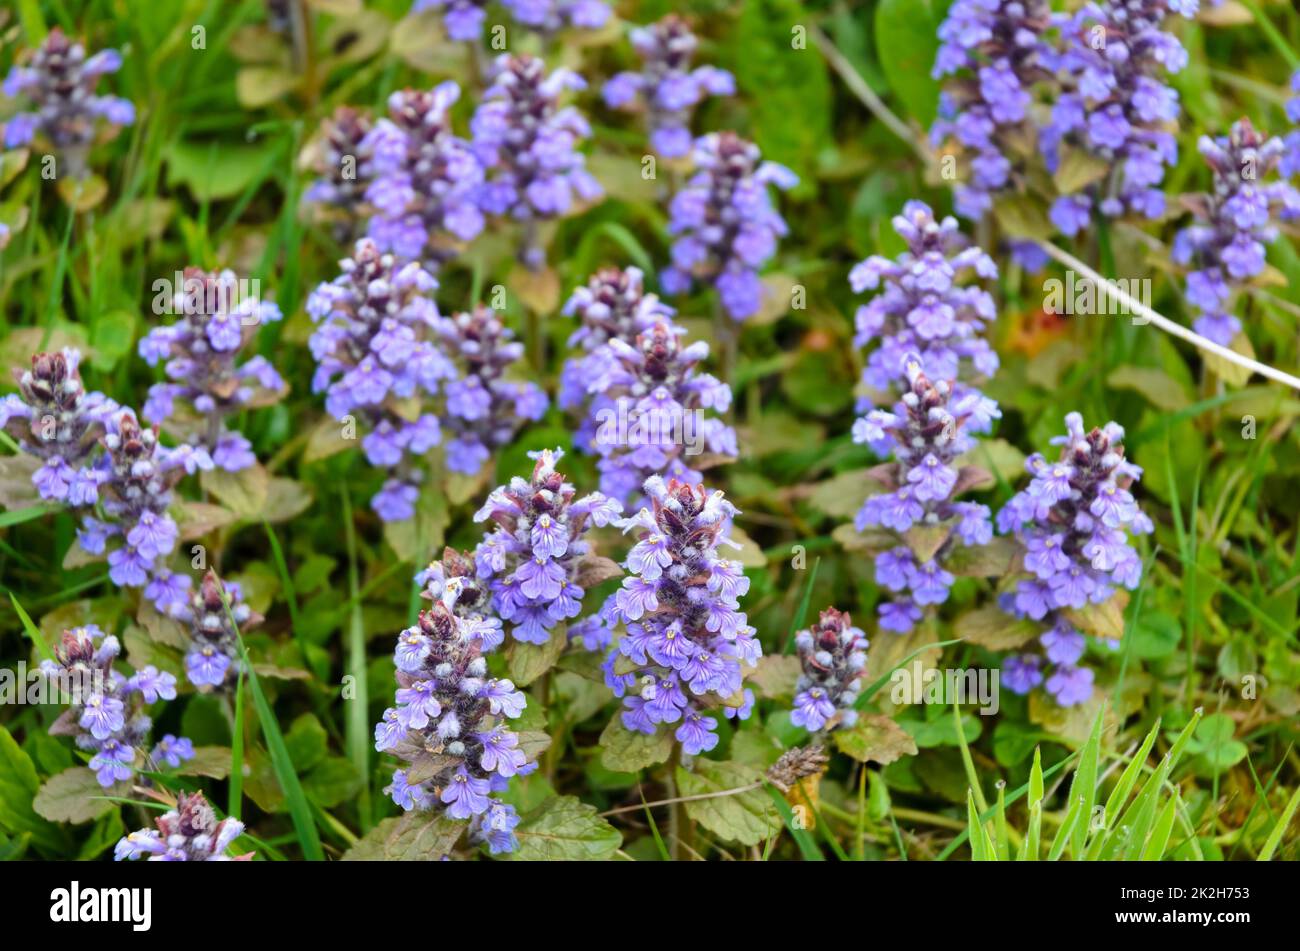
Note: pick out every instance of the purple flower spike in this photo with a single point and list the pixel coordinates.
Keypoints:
(529, 145)
(667, 89)
(375, 344)
(533, 558)
(447, 703)
(833, 656)
(926, 430)
(212, 661)
(425, 180)
(485, 411)
(53, 418)
(188, 833)
(920, 307)
(724, 223)
(611, 306)
(1225, 245)
(58, 80)
(463, 19)
(1073, 521)
(1114, 105)
(1290, 165)
(106, 714)
(685, 639)
(342, 164)
(219, 317)
(647, 414)
(995, 52)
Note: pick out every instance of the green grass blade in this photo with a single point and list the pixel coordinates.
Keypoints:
(358, 723)
(1036, 778)
(807, 845)
(1031, 848)
(235, 801)
(32, 630)
(1284, 820)
(1119, 795)
(1066, 830)
(1083, 788)
(1159, 841)
(31, 512)
(654, 829)
(299, 810)
(801, 615)
(1001, 843)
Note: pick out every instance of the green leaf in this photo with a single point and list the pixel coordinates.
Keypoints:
(210, 761)
(1284, 820)
(332, 782)
(783, 81)
(747, 818)
(907, 40)
(565, 829)
(875, 739)
(306, 741)
(627, 751)
(75, 795)
(527, 662)
(18, 786)
(212, 172)
(414, 837)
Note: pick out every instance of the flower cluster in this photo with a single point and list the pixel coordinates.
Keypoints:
(1073, 521)
(832, 655)
(484, 409)
(1226, 244)
(374, 345)
(1115, 106)
(649, 419)
(1290, 165)
(59, 82)
(212, 661)
(612, 305)
(343, 165)
(188, 833)
(463, 19)
(135, 479)
(667, 87)
(425, 180)
(927, 431)
(531, 559)
(996, 51)
(53, 418)
(921, 309)
(106, 713)
(725, 223)
(449, 724)
(685, 639)
(529, 146)
(218, 320)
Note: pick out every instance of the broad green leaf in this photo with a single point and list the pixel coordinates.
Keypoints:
(747, 818)
(565, 829)
(413, 837)
(18, 786)
(627, 751)
(875, 739)
(76, 796)
(907, 40)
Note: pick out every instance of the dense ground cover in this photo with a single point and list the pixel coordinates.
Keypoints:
(545, 430)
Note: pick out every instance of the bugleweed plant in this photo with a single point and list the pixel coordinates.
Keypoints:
(640, 431)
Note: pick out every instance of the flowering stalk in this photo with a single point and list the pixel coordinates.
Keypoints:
(188, 833)
(832, 658)
(449, 722)
(200, 351)
(921, 308)
(212, 661)
(612, 305)
(533, 557)
(463, 19)
(927, 431)
(995, 51)
(484, 409)
(106, 716)
(685, 639)
(649, 417)
(53, 418)
(1073, 521)
(667, 89)
(374, 346)
(1233, 223)
(425, 180)
(342, 165)
(529, 146)
(59, 83)
(725, 225)
(1116, 107)
(136, 476)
